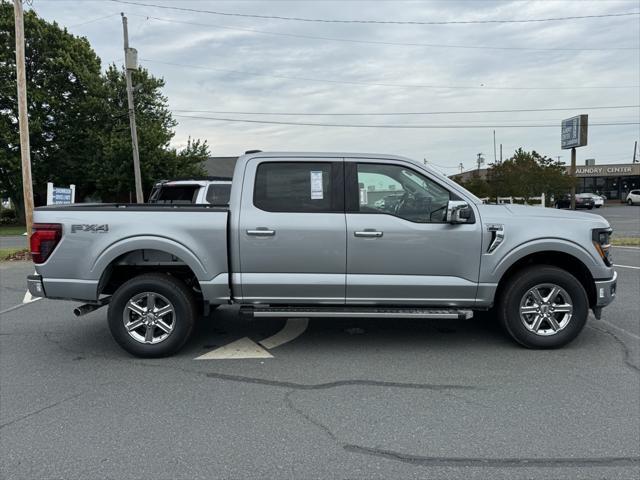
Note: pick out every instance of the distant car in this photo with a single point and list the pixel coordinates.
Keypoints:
(598, 200)
(633, 197)
(212, 190)
(583, 200)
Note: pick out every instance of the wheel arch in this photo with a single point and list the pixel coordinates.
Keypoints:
(554, 258)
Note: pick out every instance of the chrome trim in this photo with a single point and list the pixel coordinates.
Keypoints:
(546, 309)
(368, 233)
(454, 207)
(497, 232)
(261, 232)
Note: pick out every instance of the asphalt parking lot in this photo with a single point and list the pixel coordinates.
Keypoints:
(344, 399)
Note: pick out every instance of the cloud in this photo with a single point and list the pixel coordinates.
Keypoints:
(281, 56)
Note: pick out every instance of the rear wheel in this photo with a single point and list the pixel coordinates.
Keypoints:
(543, 307)
(629, 202)
(152, 315)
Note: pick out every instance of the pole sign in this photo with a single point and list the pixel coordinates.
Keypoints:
(574, 132)
(60, 195)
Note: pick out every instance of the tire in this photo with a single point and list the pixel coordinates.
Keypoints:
(590, 207)
(518, 294)
(629, 202)
(170, 327)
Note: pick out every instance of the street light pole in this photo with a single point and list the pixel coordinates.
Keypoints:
(23, 117)
(130, 65)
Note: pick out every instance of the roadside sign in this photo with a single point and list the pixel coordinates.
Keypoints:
(60, 195)
(574, 132)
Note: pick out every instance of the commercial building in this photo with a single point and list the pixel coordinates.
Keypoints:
(612, 181)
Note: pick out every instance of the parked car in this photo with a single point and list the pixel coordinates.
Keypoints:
(598, 200)
(583, 200)
(633, 197)
(298, 240)
(212, 190)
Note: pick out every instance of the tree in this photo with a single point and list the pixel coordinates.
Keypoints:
(78, 119)
(64, 91)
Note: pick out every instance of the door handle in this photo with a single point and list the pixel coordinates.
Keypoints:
(368, 233)
(261, 232)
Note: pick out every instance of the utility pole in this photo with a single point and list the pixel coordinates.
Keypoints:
(572, 172)
(461, 167)
(130, 64)
(559, 157)
(495, 159)
(480, 161)
(635, 148)
(500, 153)
(23, 117)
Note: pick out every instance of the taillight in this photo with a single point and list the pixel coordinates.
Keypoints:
(601, 240)
(44, 239)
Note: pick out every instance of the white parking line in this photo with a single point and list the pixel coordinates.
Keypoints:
(627, 266)
(247, 348)
(291, 330)
(243, 348)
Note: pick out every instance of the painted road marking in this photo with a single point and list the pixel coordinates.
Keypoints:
(291, 330)
(627, 266)
(28, 298)
(628, 248)
(243, 348)
(247, 348)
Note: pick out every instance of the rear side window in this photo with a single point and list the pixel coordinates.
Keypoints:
(177, 194)
(218, 194)
(299, 187)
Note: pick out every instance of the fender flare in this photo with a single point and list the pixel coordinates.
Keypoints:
(541, 245)
(148, 242)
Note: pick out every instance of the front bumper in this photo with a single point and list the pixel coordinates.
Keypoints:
(35, 286)
(606, 290)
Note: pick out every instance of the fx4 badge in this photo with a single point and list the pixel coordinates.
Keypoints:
(90, 228)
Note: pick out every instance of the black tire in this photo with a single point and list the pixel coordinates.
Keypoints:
(629, 202)
(590, 207)
(518, 286)
(181, 318)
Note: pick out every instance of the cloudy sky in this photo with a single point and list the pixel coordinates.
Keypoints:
(216, 63)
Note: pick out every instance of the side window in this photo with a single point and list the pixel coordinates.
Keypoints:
(299, 187)
(402, 192)
(218, 194)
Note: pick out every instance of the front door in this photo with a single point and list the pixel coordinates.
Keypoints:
(400, 249)
(292, 235)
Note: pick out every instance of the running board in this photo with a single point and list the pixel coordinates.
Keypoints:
(356, 312)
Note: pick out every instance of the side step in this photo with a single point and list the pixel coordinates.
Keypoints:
(357, 312)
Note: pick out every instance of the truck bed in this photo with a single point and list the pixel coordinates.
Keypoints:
(97, 238)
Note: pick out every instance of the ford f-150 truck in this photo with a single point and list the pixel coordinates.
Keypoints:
(306, 235)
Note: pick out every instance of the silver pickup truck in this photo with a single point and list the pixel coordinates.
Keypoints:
(326, 235)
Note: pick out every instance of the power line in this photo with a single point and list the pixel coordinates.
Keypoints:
(373, 114)
(379, 22)
(394, 85)
(378, 42)
(361, 125)
(93, 20)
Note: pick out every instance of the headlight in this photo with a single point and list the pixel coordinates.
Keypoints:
(601, 240)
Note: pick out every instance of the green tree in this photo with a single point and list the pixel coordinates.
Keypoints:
(64, 92)
(78, 119)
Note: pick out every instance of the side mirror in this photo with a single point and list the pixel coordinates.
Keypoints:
(458, 212)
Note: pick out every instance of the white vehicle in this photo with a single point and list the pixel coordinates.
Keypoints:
(633, 197)
(212, 190)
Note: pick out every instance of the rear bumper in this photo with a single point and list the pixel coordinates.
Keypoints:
(606, 290)
(35, 286)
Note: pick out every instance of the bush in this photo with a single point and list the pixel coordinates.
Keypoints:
(8, 216)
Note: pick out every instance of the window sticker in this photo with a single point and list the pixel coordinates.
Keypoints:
(316, 185)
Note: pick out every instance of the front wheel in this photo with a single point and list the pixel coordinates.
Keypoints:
(543, 307)
(152, 315)
(629, 202)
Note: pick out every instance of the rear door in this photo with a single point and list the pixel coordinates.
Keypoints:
(400, 249)
(292, 232)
